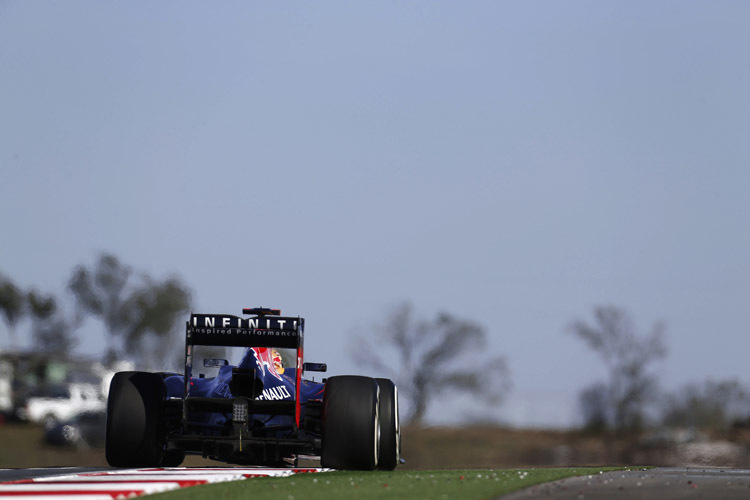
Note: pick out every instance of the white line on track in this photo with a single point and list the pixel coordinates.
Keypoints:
(67, 497)
(127, 483)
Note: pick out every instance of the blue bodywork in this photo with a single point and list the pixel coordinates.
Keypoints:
(275, 387)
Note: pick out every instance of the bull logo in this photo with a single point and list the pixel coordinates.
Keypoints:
(269, 361)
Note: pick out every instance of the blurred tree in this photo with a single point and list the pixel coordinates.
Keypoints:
(627, 358)
(594, 402)
(51, 331)
(12, 303)
(141, 315)
(99, 293)
(158, 309)
(429, 358)
(713, 405)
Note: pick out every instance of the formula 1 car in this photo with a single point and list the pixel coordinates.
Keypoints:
(255, 412)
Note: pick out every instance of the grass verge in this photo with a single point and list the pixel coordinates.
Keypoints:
(412, 485)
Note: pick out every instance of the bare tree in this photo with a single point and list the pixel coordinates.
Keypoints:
(427, 359)
(12, 303)
(627, 357)
(141, 315)
(594, 402)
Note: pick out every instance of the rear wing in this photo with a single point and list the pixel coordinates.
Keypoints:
(233, 331)
(267, 329)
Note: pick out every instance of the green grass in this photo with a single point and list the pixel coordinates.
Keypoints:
(412, 485)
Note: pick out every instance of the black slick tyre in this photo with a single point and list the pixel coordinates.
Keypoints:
(350, 423)
(390, 429)
(134, 420)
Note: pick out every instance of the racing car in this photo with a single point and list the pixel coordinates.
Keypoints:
(255, 412)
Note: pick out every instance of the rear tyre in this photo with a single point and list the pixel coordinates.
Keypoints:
(390, 429)
(135, 410)
(350, 423)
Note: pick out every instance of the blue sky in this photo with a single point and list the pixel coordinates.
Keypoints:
(512, 162)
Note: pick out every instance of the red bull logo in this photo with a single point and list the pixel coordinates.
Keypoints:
(269, 361)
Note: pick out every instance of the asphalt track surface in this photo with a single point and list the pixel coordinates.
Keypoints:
(653, 484)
